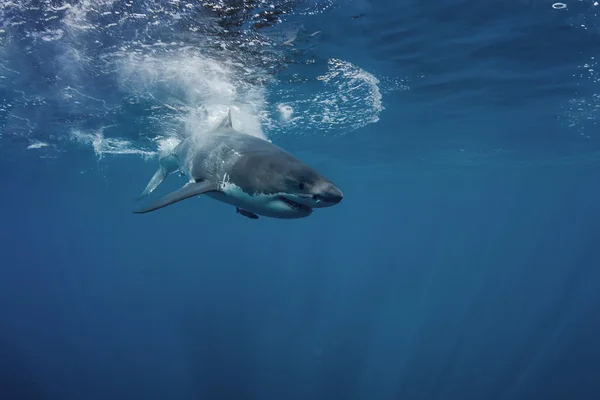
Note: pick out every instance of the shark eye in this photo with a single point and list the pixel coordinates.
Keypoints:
(301, 186)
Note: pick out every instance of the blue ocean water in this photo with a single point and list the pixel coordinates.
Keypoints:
(463, 262)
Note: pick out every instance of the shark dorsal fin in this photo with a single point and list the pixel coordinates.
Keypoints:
(226, 122)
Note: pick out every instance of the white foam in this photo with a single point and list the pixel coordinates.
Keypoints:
(166, 145)
(102, 145)
(37, 145)
(206, 88)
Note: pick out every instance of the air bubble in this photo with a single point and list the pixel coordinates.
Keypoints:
(559, 6)
(285, 112)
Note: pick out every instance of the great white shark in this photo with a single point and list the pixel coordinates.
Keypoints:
(250, 173)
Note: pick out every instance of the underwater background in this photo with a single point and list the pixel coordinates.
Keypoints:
(463, 262)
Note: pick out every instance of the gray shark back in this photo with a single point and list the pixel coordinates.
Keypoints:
(253, 164)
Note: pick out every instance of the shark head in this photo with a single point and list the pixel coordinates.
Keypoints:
(307, 189)
(296, 199)
(279, 185)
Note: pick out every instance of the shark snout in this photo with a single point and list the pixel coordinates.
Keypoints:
(331, 196)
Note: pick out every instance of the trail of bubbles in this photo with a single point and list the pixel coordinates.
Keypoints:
(344, 99)
(582, 113)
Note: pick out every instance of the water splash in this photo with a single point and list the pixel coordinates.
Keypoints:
(103, 145)
(163, 70)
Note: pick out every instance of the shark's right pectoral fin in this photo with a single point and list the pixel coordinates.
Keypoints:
(189, 190)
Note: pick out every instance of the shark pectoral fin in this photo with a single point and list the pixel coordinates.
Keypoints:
(245, 213)
(189, 190)
(167, 165)
(159, 176)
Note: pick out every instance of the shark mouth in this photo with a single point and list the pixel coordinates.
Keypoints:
(295, 206)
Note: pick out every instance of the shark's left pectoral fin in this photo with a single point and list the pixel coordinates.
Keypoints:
(189, 190)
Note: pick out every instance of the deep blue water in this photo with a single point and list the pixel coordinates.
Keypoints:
(463, 262)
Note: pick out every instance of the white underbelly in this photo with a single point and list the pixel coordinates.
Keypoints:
(224, 198)
(266, 205)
